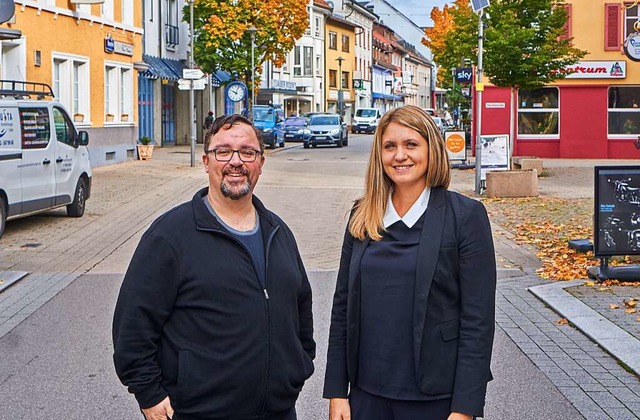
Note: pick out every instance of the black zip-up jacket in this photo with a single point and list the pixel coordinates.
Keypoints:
(193, 322)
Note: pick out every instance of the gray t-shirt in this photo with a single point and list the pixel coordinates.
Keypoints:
(251, 240)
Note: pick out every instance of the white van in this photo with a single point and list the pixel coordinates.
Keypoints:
(365, 120)
(44, 161)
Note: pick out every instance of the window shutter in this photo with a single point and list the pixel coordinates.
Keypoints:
(612, 27)
(566, 33)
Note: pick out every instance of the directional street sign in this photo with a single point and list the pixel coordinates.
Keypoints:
(185, 84)
(192, 74)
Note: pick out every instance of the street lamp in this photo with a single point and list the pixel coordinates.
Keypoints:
(252, 31)
(340, 93)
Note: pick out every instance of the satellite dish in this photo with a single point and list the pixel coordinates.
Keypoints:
(7, 9)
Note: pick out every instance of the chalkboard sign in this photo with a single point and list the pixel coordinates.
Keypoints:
(36, 128)
(617, 211)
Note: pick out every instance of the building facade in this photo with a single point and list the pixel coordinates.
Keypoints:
(593, 113)
(88, 53)
(340, 63)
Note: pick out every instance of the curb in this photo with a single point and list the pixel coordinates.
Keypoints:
(619, 343)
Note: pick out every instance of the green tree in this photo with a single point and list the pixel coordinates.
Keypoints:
(524, 42)
(222, 41)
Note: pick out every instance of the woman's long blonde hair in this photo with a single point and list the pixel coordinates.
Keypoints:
(369, 210)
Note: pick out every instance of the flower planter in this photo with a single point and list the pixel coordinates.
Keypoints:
(124, 117)
(78, 117)
(520, 183)
(109, 117)
(145, 151)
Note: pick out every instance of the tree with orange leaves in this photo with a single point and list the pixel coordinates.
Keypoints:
(222, 41)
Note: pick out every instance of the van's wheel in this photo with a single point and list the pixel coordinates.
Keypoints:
(76, 209)
(339, 143)
(3, 215)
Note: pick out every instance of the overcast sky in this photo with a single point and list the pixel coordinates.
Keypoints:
(418, 11)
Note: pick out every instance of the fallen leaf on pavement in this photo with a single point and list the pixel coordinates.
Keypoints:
(631, 311)
(614, 306)
(562, 321)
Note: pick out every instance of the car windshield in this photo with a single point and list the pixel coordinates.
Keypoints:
(262, 114)
(325, 120)
(298, 122)
(366, 113)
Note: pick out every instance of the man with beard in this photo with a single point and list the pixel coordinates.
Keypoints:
(214, 315)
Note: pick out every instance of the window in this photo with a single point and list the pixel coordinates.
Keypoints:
(297, 68)
(126, 11)
(71, 83)
(345, 43)
(538, 111)
(318, 66)
(65, 133)
(333, 41)
(318, 27)
(345, 80)
(106, 9)
(118, 92)
(333, 78)
(308, 61)
(35, 127)
(624, 114)
(631, 19)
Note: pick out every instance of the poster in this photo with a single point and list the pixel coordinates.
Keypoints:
(35, 127)
(494, 155)
(617, 211)
(456, 146)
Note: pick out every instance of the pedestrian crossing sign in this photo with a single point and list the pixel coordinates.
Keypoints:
(478, 5)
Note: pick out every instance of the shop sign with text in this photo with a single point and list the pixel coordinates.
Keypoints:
(597, 70)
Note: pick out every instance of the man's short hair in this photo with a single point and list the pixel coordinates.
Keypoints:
(225, 122)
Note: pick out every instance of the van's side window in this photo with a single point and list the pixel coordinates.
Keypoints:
(65, 132)
(35, 127)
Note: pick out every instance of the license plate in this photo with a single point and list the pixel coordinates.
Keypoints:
(321, 138)
(289, 135)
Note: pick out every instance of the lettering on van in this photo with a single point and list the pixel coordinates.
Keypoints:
(9, 129)
(36, 128)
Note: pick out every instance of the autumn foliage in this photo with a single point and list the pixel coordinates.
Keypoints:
(223, 42)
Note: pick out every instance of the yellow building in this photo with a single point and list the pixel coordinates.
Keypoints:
(86, 53)
(339, 65)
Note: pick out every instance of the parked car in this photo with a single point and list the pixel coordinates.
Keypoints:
(440, 123)
(365, 120)
(430, 111)
(44, 161)
(326, 129)
(269, 120)
(293, 128)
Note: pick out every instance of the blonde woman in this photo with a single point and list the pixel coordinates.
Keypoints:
(413, 312)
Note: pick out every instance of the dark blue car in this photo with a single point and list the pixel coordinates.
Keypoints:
(293, 128)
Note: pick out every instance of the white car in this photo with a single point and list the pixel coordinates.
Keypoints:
(440, 123)
(44, 161)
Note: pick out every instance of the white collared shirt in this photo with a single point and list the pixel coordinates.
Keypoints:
(411, 217)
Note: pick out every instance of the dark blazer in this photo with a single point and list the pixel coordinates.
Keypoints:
(454, 306)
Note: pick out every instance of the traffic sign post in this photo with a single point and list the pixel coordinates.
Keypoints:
(185, 84)
(192, 74)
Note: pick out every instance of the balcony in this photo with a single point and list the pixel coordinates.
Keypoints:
(171, 35)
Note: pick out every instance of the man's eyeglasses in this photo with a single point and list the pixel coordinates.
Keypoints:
(225, 155)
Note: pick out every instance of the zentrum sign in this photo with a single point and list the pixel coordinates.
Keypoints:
(596, 70)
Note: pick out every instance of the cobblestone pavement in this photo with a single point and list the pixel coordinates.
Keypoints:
(128, 196)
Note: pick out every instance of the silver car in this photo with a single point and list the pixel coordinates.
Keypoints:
(326, 129)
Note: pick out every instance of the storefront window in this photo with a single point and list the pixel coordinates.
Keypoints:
(538, 111)
(624, 114)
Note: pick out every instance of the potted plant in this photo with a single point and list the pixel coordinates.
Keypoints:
(109, 117)
(124, 117)
(145, 148)
(78, 117)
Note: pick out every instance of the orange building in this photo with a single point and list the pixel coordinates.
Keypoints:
(88, 54)
(593, 113)
(339, 64)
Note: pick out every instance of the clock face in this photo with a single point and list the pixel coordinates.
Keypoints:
(236, 92)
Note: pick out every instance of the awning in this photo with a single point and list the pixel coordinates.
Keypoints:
(163, 68)
(299, 98)
(219, 78)
(376, 95)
